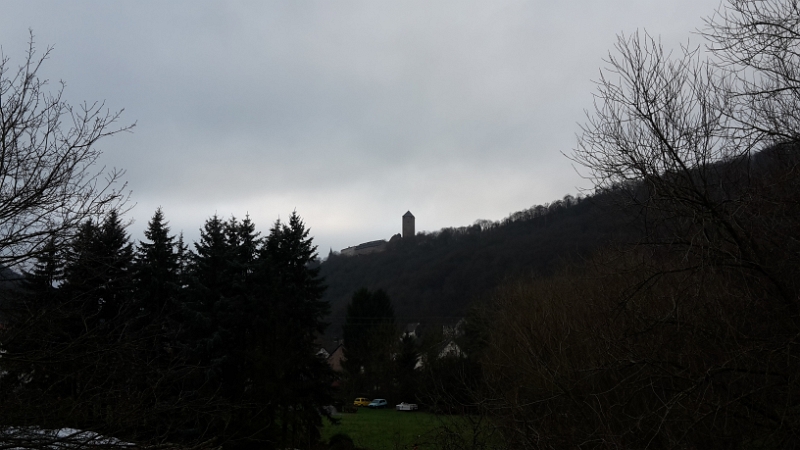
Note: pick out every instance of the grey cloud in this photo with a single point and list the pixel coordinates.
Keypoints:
(352, 112)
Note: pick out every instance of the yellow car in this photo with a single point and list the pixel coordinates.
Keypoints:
(361, 401)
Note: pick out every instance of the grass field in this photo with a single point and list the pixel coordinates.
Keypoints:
(386, 429)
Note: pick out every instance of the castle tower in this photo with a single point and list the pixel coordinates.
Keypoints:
(408, 225)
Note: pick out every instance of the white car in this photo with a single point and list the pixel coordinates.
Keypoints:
(377, 403)
(407, 406)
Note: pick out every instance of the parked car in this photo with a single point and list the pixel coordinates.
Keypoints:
(361, 401)
(378, 403)
(407, 406)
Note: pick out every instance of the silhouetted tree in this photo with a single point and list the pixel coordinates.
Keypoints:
(157, 270)
(685, 338)
(406, 375)
(98, 273)
(253, 310)
(370, 339)
(295, 312)
(48, 150)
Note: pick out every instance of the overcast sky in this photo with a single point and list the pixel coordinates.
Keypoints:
(350, 112)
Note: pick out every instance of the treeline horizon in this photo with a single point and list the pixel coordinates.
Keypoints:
(682, 330)
(435, 276)
(157, 344)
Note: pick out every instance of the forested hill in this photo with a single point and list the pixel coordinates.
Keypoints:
(434, 277)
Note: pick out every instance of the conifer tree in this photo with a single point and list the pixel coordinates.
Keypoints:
(236, 315)
(48, 270)
(201, 304)
(208, 264)
(243, 243)
(33, 309)
(405, 368)
(40, 285)
(253, 309)
(157, 326)
(219, 315)
(290, 251)
(74, 358)
(292, 292)
(98, 273)
(116, 261)
(369, 336)
(183, 256)
(157, 269)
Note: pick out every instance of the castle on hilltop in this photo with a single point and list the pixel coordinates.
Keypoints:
(380, 245)
(408, 225)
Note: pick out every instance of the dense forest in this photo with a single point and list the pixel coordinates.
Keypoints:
(686, 337)
(106, 342)
(677, 324)
(156, 343)
(433, 278)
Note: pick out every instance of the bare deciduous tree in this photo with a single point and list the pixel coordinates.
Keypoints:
(688, 337)
(683, 135)
(757, 45)
(48, 179)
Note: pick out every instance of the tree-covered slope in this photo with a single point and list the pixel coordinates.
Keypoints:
(435, 276)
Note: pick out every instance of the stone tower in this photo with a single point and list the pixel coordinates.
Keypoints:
(408, 225)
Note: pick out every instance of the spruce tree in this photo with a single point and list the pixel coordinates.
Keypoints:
(39, 287)
(292, 295)
(219, 316)
(183, 256)
(208, 264)
(157, 269)
(203, 296)
(48, 271)
(243, 242)
(76, 352)
(237, 314)
(116, 259)
(33, 317)
(253, 309)
(290, 251)
(99, 271)
(157, 325)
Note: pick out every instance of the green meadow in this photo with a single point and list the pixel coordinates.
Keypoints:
(379, 429)
(387, 429)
